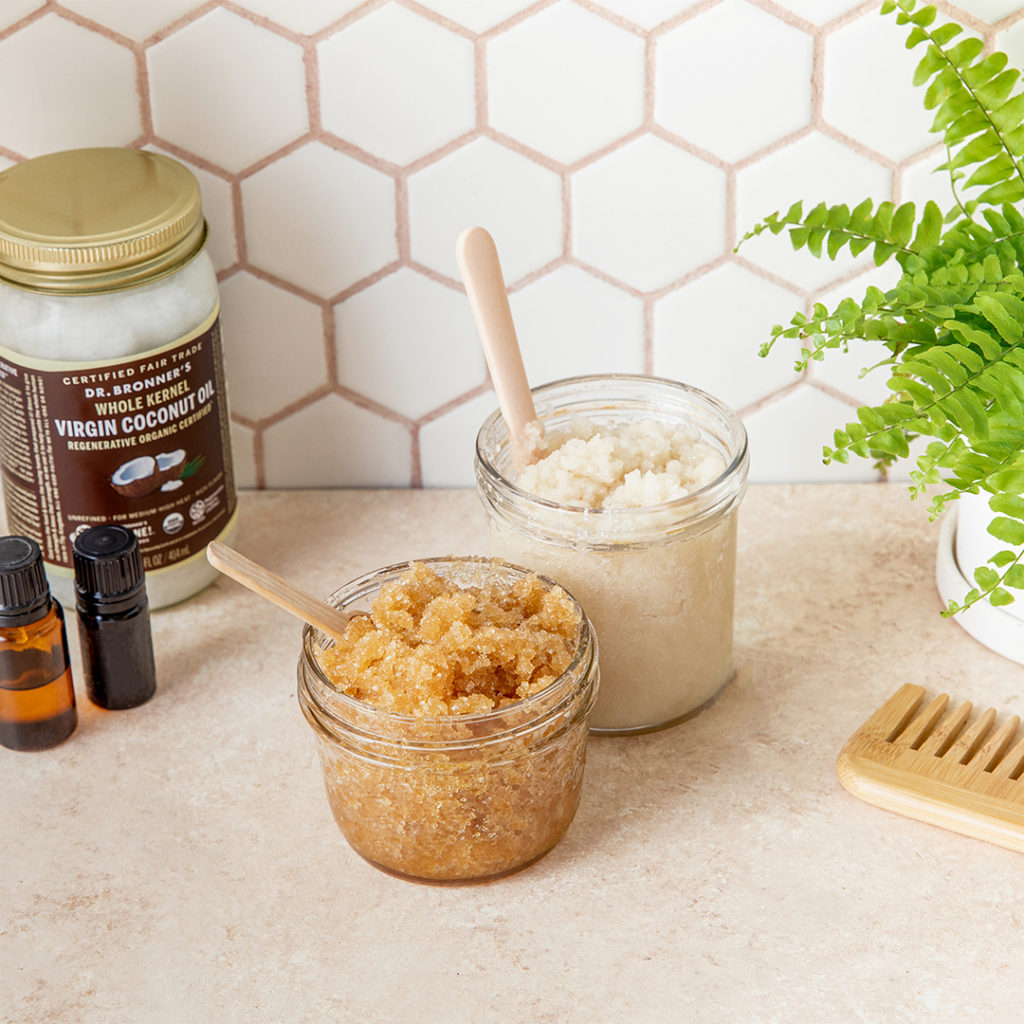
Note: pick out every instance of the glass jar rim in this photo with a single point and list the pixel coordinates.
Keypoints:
(576, 673)
(677, 505)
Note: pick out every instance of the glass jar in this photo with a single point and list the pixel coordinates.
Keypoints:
(658, 581)
(452, 798)
(113, 407)
(37, 695)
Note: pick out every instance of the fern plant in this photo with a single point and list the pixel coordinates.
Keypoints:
(953, 324)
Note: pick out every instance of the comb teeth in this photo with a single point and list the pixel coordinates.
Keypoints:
(989, 756)
(958, 740)
(941, 763)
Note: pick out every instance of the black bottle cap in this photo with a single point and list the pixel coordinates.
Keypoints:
(24, 591)
(108, 564)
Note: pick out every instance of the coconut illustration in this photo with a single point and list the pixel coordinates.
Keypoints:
(137, 478)
(144, 474)
(170, 464)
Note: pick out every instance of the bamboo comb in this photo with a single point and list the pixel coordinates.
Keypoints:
(940, 766)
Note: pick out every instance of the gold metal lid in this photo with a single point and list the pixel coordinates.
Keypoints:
(97, 220)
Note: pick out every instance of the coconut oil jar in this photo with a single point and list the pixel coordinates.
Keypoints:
(113, 407)
(636, 517)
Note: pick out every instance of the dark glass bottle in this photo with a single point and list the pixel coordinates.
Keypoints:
(113, 618)
(37, 696)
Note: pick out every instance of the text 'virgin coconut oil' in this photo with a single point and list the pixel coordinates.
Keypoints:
(113, 407)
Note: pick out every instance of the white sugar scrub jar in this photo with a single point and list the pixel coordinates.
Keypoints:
(632, 506)
(113, 403)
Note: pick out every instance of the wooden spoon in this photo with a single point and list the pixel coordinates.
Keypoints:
(478, 261)
(285, 595)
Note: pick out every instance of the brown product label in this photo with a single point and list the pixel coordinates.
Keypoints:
(143, 442)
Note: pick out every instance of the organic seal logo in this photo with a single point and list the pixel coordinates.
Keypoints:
(173, 522)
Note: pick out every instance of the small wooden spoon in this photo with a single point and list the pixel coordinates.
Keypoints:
(285, 595)
(478, 261)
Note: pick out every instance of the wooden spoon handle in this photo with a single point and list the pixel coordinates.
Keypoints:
(478, 261)
(279, 591)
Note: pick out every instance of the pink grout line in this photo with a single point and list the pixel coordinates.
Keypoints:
(200, 11)
(480, 95)
(453, 403)
(455, 27)
(16, 26)
(330, 344)
(416, 458)
(356, 14)
(611, 16)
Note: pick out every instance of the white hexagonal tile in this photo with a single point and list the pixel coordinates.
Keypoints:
(990, 10)
(647, 13)
(227, 90)
(787, 437)
(819, 11)
(129, 17)
(476, 15)
(320, 219)
(570, 323)
(307, 17)
(814, 169)
(448, 444)
(518, 201)
(1011, 42)
(843, 370)
(921, 182)
(882, 109)
(273, 345)
(408, 343)
(333, 443)
(89, 74)
(648, 213)
(243, 456)
(732, 119)
(565, 82)
(413, 78)
(218, 209)
(708, 334)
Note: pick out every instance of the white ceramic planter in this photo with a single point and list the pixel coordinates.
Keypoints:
(964, 544)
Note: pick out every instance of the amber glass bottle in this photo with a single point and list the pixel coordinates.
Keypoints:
(37, 698)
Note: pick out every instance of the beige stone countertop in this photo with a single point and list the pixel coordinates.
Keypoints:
(178, 862)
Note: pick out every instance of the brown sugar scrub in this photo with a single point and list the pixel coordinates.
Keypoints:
(431, 647)
(452, 718)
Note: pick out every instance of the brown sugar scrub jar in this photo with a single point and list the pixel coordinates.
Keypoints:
(452, 720)
(632, 507)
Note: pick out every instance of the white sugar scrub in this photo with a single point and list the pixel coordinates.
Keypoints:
(632, 507)
(629, 465)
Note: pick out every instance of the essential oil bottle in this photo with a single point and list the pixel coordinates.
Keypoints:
(113, 618)
(37, 697)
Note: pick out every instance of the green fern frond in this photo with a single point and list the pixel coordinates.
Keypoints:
(977, 101)
(1006, 570)
(888, 230)
(953, 323)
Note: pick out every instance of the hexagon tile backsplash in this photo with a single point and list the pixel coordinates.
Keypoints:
(616, 149)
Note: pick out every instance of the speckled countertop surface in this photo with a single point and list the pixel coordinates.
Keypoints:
(178, 863)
